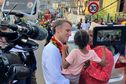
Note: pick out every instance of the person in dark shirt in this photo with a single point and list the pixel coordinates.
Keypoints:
(79, 24)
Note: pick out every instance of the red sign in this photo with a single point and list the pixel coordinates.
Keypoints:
(93, 7)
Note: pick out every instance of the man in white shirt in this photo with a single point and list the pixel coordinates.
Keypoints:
(85, 25)
(94, 24)
(51, 55)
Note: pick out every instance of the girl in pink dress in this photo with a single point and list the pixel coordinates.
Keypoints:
(74, 62)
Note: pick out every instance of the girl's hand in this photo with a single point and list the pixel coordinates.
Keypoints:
(65, 48)
(86, 64)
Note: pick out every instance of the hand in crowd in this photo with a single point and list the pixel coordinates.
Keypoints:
(86, 64)
(65, 48)
(122, 59)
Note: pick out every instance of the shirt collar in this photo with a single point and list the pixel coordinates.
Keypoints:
(58, 41)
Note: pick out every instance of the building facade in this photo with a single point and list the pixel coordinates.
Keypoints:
(108, 9)
(115, 9)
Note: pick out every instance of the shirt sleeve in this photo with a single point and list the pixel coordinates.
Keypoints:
(51, 63)
(101, 73)
(95, 57)
(70, 58)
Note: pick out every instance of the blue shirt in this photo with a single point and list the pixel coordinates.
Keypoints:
(51, 65)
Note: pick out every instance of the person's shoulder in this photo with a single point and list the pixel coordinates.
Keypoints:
(83, 23)
(50, 46)
(75, 49)
(88, 23)
(92, 51)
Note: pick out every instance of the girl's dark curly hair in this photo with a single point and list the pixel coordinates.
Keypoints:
(81, 38)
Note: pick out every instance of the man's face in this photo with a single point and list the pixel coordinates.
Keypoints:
(90, 32)
(65, 32)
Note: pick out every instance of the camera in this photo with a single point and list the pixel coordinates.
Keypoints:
(109, 35)
(21, 38)
(12, 67)
(17, 58)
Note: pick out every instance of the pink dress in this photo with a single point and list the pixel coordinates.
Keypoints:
(96, 74)
(76, 60)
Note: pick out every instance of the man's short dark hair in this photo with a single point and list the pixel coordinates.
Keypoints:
(59, 22)
(81, 38)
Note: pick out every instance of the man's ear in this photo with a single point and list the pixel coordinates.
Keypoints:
(58, 29)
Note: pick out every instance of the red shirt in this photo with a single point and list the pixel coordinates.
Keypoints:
(96, 74)
(47, 16)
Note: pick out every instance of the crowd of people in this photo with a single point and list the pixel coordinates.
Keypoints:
(47, 20)
(88, 64)
(90, 25)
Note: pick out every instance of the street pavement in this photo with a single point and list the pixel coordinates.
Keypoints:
(39, 76)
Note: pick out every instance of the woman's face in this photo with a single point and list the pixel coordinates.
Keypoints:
(90, 32)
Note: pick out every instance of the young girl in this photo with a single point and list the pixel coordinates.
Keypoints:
(75, 61)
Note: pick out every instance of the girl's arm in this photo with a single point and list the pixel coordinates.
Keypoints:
(65, 64)
(102, 63)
